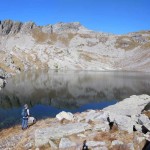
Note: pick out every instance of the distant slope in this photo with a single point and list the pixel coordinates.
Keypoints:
(68, 46)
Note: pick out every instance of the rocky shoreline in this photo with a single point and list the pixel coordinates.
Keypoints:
(123, 126)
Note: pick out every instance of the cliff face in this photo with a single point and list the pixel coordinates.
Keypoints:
(65, 46)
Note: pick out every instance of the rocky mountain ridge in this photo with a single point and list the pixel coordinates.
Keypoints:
(9, 27)
(70, 46)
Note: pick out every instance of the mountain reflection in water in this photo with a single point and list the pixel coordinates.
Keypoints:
(49, 92)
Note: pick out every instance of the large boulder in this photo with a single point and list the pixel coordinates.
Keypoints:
(96, 116)
(143, 119)
(65, 115)
(130, 106)
(31, 121)
(123, 122)
(95, 143)
(43, 135)
(66, 143)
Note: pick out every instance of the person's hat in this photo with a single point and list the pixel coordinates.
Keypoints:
(25, 106)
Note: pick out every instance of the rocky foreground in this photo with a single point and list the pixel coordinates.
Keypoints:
(123, 126)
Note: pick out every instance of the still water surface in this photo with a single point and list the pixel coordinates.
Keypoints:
(49, 92)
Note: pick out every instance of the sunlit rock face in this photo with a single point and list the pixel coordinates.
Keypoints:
(64, 46)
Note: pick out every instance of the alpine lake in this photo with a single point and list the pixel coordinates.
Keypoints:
(48, 92)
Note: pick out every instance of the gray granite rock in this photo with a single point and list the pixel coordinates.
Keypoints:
(16, 27)
(10, 27)
(123, 122)
(47, 29)
(81, 135)
(130, 106)
(96, 116)
(90, 115)
(143, 119)
(66, 143)
(138, 127)
(116, 142)
(53, 145)
(27, 27)
(100, 148)
(101, 127)
(72, 27)
(147, 125)
(135, 118)
(42, 136)
(65, 115)
(95, 143)
(102, 116)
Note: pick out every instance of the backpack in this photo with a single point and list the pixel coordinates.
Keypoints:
(24, 112)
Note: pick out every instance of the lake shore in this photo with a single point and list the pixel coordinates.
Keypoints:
(110, 128)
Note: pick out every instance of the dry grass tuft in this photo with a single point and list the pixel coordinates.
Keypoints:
(146, 45)
(102, 39)
(86, 57)
(66, 40)
(39, 36)
(45, 147)
(124, 44)
(39, 64)
(18, 63)
(53, 37)
(114, 129)
(30, 58)
(2, 56)
(6, 68)
(120, 147)
(91, 122)
(147, 113)
(11, 131)
(85, 36)
(64, 121)
(104, 136)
